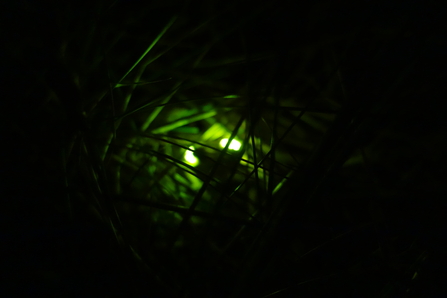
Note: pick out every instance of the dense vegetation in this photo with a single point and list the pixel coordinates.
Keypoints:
(117, 182)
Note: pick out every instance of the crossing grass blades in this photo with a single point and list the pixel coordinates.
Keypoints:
(231, 164)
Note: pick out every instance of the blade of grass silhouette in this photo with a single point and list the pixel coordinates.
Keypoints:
(275, 235)
(205, 185)
(252, 256)
(275, 145)
(274, 139)
(127, 98)
(142, 68)
(159, 108)
(170, 23)
(150, 103)
(183, 122)
(185, 210)
(215, 214)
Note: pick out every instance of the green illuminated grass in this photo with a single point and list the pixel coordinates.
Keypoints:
(233, 163)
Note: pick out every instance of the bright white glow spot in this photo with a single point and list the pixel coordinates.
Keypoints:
(190, 158)
(235, 145)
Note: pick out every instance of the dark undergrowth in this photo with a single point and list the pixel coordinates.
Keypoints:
(178, 149)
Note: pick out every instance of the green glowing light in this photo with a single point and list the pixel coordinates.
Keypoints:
(234, 145)
(190, 158)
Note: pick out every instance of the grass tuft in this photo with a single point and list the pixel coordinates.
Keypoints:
(234, 152)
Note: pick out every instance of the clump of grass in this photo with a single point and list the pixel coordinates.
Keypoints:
(227, 166)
